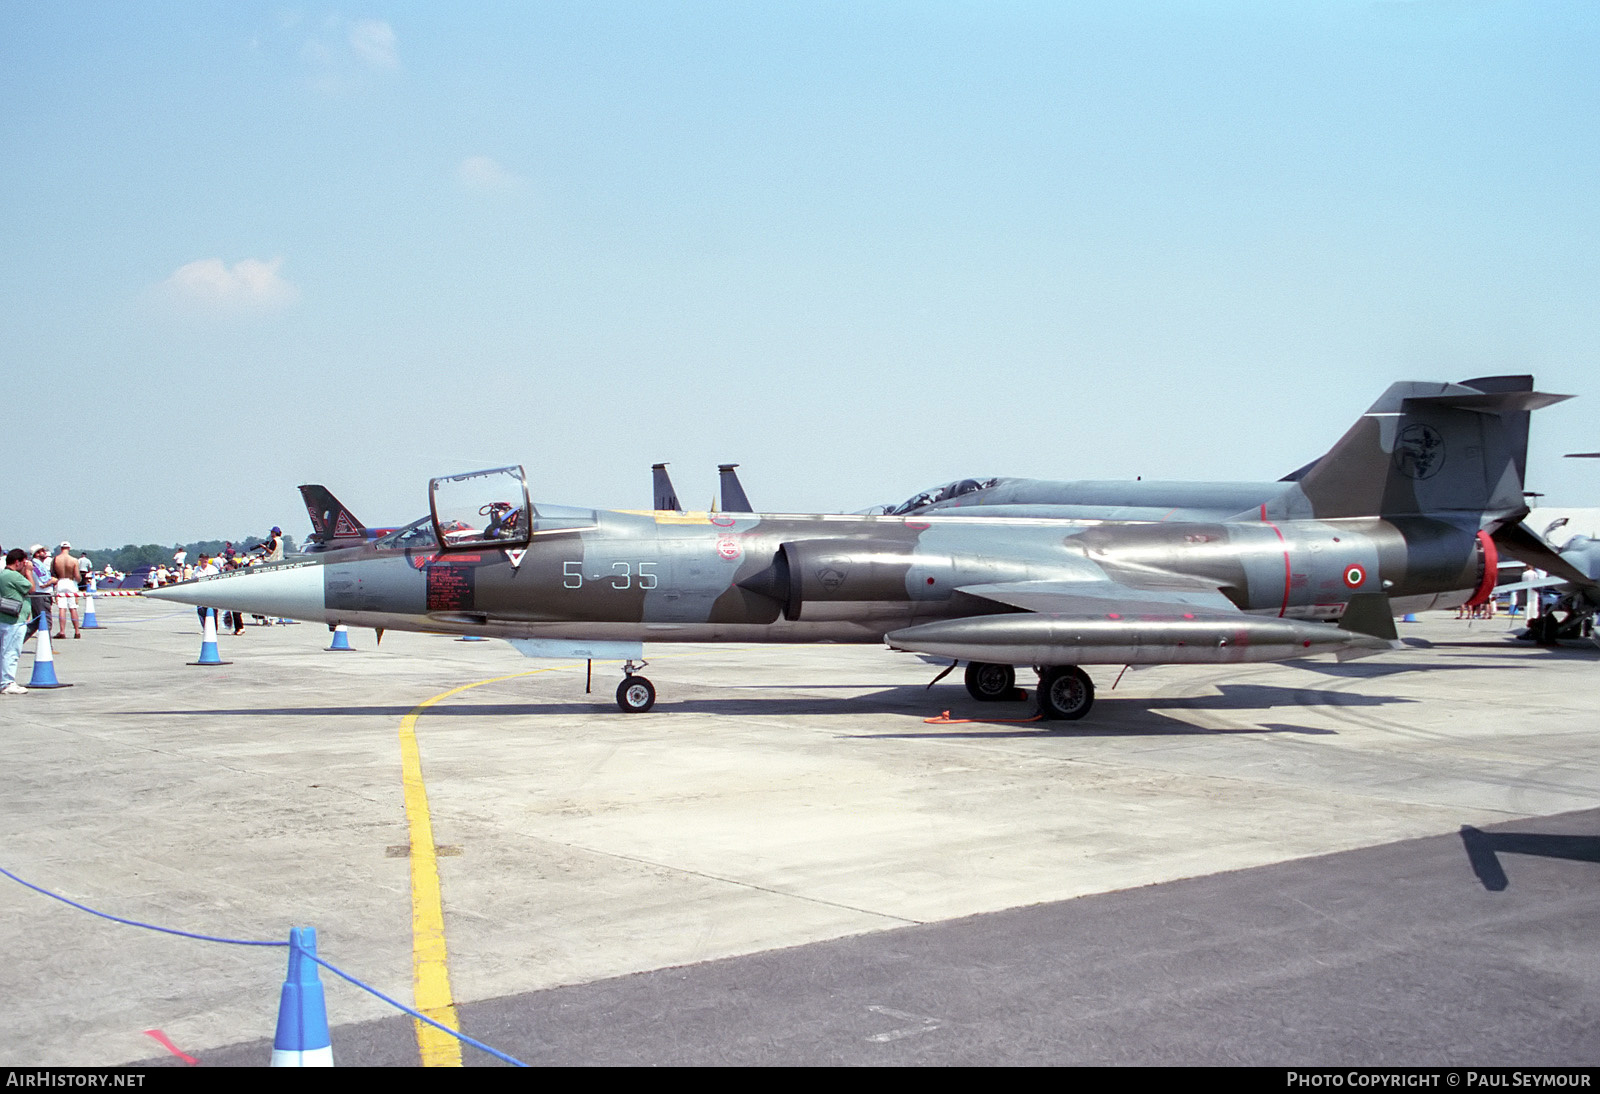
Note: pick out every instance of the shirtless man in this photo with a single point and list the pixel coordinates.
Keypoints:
(64, 568)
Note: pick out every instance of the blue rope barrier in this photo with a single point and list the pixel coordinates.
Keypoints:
(135, 922)
(252, 942)
(456, 1033)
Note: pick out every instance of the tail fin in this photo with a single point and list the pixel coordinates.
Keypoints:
(733, 498)
(1453, 452)
(329, 517)
(666, 499)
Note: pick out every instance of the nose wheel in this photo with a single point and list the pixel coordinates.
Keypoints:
(635, 694)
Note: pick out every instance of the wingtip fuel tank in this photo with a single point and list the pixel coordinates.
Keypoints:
(1118, 639)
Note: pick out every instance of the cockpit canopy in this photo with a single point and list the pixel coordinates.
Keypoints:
(947, 492)
(479, 509)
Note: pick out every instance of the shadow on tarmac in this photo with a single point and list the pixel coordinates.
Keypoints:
(907, 699)
(1484, 848)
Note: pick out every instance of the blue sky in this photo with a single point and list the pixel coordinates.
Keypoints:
(858, 248)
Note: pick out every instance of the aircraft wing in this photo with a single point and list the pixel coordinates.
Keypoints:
(1519, 541)
(1100, 598)
(1110, 622)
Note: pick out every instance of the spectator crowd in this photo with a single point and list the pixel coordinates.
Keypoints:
(38, 589)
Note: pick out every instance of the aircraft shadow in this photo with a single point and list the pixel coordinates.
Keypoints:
(1359, 670)
(484, 710)
(1145, 727)
(1484, 848)
(904, 699)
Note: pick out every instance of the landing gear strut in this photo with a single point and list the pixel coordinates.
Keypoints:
(635, 694)
(1065, 693)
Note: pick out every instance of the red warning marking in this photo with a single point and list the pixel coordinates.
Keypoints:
(728, 548)
(722, 520)
(1354, 576)
(166, 1042)
(917, 525)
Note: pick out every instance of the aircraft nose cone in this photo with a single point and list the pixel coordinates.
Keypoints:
(293, 591)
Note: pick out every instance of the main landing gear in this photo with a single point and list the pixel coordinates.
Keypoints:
(989, 683)
(635, 694)
(1065, 691)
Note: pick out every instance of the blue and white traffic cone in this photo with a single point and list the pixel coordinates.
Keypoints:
(341, 639)
(44, 664)
(302, 1037)
(208, 642)
(90, 623)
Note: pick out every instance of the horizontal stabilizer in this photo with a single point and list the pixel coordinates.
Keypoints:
(1490, 402)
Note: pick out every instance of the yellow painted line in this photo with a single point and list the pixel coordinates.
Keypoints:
(430, 964)
(430, 968)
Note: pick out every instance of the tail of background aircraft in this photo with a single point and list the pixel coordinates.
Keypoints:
(666, 498)
(1451, 452)
(329, 517)
(733, 497)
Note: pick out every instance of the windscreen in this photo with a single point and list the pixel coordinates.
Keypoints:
(481, 509)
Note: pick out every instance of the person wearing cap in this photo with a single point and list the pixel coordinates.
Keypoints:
(272, 550)
(15, 587)
(43, 589)
(64, 568)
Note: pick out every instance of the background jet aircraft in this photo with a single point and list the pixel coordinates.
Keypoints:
(733, 496)
(333, 526)
(1401, 515)
(1573, 613)
(1120, 499)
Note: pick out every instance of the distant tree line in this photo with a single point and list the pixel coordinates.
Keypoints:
(154, 554)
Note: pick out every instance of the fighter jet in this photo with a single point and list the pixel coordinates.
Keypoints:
(1577, 600)
(333, 526)
(733, 496)
(1401, 515)
(1121, 499)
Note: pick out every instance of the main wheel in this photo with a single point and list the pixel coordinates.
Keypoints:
(1065, 693)
(991, 683)
(635, 695)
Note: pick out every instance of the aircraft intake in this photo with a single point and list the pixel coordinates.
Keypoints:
(1043, 639)
(833, 570)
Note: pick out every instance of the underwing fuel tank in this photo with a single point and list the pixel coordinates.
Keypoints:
(1040, 639)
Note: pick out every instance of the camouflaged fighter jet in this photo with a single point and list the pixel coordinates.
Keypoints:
(1400, 516)
(1577, 595)
(1122, 499)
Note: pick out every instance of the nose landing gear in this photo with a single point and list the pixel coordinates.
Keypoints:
(635, 694)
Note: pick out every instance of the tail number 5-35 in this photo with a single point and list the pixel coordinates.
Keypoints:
(624, 575)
